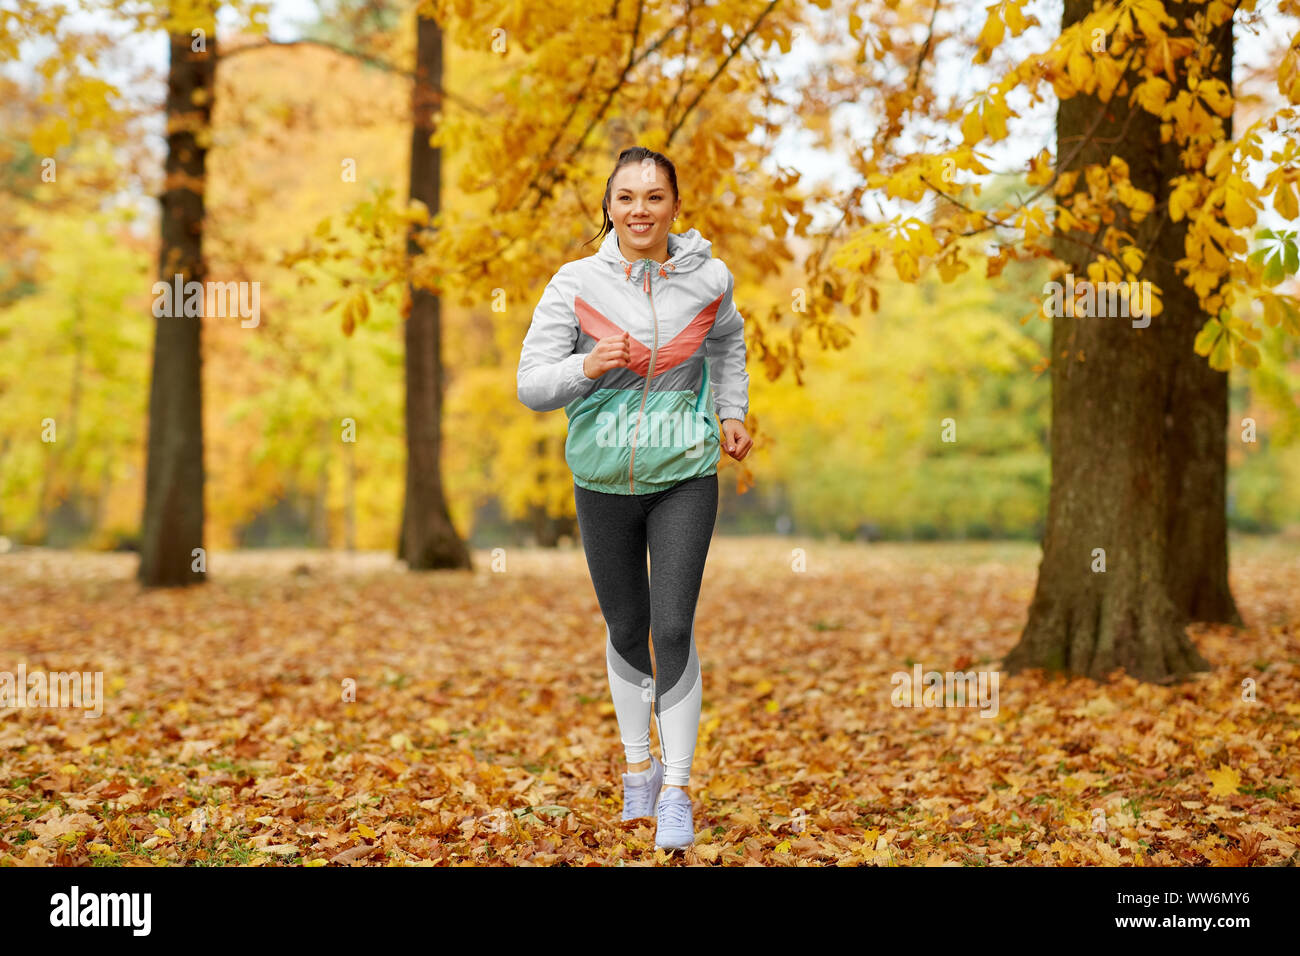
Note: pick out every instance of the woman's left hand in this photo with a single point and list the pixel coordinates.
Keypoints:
(736, 440)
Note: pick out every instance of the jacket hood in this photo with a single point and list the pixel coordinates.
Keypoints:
(687, 251)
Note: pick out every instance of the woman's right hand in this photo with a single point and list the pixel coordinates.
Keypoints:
(613, 351)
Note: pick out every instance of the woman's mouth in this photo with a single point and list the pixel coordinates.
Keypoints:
(640, 227)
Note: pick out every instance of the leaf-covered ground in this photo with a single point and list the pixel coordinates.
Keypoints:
(482, 730)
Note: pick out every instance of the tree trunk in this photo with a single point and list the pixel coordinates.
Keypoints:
(428, 539)
(349, 470)
(320, 511)
(549, 528)
(172, 524)
(1198, 420)
(1102, 599)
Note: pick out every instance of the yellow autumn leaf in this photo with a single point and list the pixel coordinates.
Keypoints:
(1181, 199)
(1236, 204)
(991, 35)
(707, 852)
(1150, 17)
(1288, 75)
(1213, 341)
(365, 831)
(1131, 256)
(950, 267)
(1040, 169)
(1015, 17)
(782, 847)
(1244, 354)
(1216, 95)
(1226, 780)
(1281, 310)
(1218, 156)
(995, 119)
(1152, 94)
(1284, 201)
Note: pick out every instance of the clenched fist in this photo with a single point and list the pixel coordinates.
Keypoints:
(736, 439)
(613, 351)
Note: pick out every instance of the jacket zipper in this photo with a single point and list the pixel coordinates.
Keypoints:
(654, 350)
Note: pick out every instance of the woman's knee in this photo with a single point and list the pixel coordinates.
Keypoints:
(674, 636)
(628, 631)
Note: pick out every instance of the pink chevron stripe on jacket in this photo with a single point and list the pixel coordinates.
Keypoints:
(683, 345)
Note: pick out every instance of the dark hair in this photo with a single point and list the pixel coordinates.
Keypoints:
(629, 156)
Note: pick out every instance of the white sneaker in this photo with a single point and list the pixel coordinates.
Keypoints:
(640, 798)
(676, 821)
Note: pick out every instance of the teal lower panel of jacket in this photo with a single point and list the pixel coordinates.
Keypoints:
(617, 447)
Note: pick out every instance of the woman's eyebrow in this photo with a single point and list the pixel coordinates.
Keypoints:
(627, 189)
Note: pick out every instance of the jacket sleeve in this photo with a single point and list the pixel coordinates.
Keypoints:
(725, 347)
(550, 372)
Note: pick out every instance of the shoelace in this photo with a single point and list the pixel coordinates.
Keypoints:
(673, 814)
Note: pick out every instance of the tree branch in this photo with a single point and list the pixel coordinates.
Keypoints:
(357, 55)
(925, 47)
(718, 72)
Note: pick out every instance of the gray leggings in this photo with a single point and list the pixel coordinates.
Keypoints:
(675, 526)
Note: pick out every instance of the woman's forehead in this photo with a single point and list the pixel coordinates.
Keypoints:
(631, 178)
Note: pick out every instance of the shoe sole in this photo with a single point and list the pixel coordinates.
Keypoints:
(685, 846)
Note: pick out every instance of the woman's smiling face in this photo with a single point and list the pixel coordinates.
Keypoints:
(642, 207)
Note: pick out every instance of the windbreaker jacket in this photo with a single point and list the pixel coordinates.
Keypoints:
(648, 426)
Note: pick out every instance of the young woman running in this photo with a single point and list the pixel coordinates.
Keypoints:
(643, 348)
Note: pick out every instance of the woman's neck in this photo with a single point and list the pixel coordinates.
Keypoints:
(659, 255)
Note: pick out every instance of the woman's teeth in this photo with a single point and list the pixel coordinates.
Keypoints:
(640, 227)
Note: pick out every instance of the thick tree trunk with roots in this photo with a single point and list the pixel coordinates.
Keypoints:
(428, 540)
(172, 525)
(1137, 442)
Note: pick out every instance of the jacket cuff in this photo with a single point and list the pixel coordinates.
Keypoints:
(577, 377)
(731, 411)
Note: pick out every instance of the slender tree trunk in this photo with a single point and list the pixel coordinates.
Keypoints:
(349, 469)
(1102, 599)
(320, 512)
(65, 431)
(172, 525)
(428, 538)
(1198, 420)
(101, 500)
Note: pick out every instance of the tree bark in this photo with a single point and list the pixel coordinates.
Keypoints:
(1198, 422)
(428, 540)
(172, 524)
(1120, 442)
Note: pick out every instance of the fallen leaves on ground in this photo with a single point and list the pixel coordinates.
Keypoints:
(482, 731)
